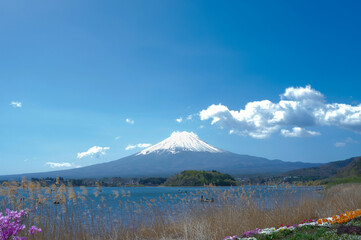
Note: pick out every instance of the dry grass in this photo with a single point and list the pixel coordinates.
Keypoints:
(235, 211)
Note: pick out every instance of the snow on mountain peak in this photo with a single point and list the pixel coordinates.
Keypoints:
(181, 141)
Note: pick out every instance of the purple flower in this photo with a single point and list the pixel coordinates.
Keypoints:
(33, 230)
(11, 225)
(19, 238)
(235, 237)
(251, 233)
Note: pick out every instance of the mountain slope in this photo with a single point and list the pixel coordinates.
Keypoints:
(181, 151)
(350, 170)
(344, 168)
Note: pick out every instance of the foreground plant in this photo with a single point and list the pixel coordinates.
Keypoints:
(11, 224)
(323, 222)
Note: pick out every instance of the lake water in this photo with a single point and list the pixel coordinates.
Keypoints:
(138, 194)
(133, 203)
(142, 194)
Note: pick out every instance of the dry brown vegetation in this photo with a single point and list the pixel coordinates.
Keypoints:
(66, 214)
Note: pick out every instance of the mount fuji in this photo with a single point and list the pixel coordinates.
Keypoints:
(180, 142)
(181, 151)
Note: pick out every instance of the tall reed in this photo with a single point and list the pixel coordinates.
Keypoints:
(63, 212)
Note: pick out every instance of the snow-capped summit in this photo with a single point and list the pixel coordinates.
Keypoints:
(180, 141)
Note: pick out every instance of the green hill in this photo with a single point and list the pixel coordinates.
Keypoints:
(345, 171)
(329, 170)
(350, 170)
(200, 178)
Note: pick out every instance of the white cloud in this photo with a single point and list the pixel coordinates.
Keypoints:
(188, 118)
(130, 121)
(346, 142)
(340, 144)
(139, 145)
(95, 151)
(350, 140)
(57, 165)
(303, 93)
(298, 132)
(143, 145)
(298, 107)
(129, 147)
(16, 104)
(62, 164)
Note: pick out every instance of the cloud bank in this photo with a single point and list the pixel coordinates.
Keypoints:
(298, 108)
(139, 145)
(95, 151)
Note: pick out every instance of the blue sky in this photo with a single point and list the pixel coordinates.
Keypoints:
(81, 68)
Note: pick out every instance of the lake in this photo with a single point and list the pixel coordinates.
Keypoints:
(134, 205)
(136, 202)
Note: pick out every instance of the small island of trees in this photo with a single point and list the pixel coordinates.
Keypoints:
(200, 178)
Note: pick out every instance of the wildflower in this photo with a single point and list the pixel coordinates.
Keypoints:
(325, 222)
(33, 229)
(232, 238)
(11, 225)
